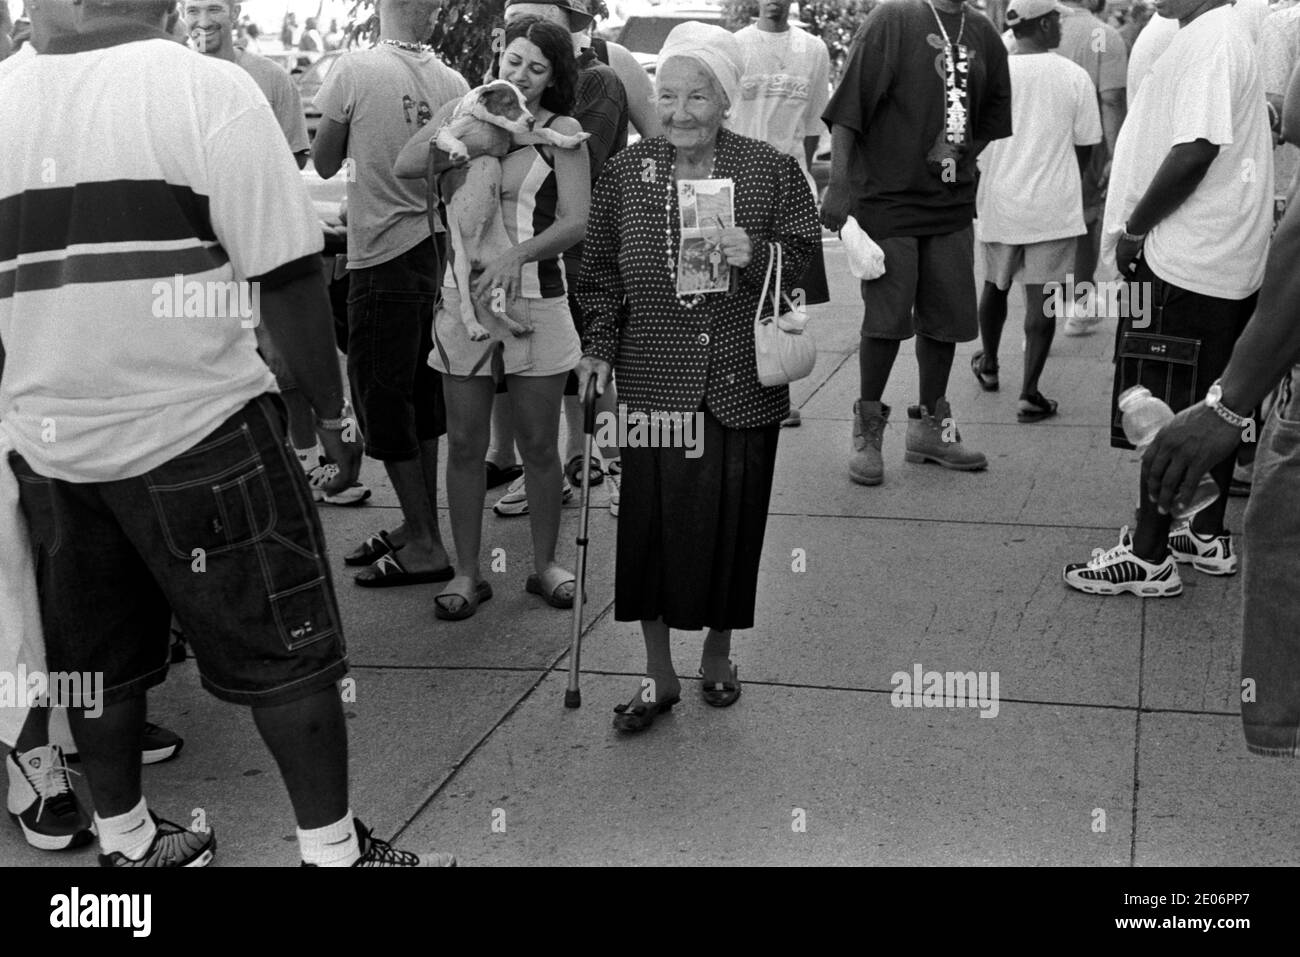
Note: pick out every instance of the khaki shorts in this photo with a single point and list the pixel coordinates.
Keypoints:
(552, 348)
(1032, 264)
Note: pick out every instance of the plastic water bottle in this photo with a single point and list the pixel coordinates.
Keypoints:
(1144, 416)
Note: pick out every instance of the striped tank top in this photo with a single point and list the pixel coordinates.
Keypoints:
(529, 195)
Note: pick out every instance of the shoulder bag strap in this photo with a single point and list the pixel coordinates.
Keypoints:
(767, 279)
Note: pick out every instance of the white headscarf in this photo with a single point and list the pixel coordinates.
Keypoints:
(714, 47)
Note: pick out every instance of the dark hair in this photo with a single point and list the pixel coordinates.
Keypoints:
(556, 45)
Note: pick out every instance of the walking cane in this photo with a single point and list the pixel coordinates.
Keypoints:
(573, 694)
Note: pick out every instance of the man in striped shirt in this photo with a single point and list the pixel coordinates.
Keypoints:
(151, 461)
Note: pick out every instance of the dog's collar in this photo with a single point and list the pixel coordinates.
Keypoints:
(409, 45)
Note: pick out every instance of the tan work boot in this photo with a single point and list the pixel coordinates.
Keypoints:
(869, 419)
(934, 438)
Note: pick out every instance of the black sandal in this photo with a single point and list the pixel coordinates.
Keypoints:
(637, 715)
(1035, 408)
(370, 551)
(988, 380)
(573, 469)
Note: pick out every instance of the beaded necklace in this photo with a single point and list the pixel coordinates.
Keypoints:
(671, 208)
(409, 45)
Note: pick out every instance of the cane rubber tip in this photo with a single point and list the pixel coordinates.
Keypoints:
(573, 699)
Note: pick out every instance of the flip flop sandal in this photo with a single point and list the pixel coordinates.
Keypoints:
(372, 549)
(637, 715)
(536, 586)
(574, 467)
(389, 573)
(498, 476)
(482, 592)
(1035, 408)
(722, 694)
(988, 380)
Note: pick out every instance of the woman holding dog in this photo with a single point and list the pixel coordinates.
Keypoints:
(545, 194)
(690, 529)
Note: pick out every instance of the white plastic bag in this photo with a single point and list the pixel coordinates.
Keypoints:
(866, 259)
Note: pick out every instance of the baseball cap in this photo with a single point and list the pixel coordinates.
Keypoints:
(1019, 11)
(578, 10)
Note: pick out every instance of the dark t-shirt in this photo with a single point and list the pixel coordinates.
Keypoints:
(893, 96)
(600, 107)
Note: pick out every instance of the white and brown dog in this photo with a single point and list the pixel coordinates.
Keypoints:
(482, 128)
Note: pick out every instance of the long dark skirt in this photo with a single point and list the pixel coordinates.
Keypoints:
(690, 530)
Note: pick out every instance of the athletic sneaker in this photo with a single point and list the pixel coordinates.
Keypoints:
(1211, 554)
(1119, 570)
(322, 474)
(515, 501)
(159, 744)
(377, 853)
(172, 846)
(42, 802)
(1078, 324)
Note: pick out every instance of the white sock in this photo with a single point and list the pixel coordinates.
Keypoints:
(308, 458)
(130, 833)
(334, 845)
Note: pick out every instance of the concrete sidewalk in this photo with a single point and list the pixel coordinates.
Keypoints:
(1116, 741)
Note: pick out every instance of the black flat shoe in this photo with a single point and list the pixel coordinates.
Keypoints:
(497, 476)
(637, 715)
(1035, 408)
(988, 380)
(721, 694)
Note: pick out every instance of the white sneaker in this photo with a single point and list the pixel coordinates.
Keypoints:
(515, 501)
(1211, 554)
(1119, 570)
(42, 801)
(1077, 324)
(322, 474)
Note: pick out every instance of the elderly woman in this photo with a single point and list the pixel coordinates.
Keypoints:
(691, 525)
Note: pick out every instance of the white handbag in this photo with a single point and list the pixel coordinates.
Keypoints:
(783, 348)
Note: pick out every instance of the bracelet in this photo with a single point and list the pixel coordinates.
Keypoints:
(1131, 237)
(339, 424)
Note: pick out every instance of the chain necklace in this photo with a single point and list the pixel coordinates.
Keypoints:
(956, 69)
(410, 45)
(671, 208)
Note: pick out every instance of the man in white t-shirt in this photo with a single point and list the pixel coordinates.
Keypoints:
(783, 91)
(1029, 205)
(372, 102)
(1159, 33)
(211, 25)
(1187, 222)
(154, 447)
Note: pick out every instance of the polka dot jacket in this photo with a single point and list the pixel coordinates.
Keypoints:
(667, 357)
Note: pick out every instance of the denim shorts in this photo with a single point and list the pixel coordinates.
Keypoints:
(398, 396)
(225, 535)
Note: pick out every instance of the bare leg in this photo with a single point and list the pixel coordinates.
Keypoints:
(469, 412)
(109, 746)
(422, 547)
(35, 732)
(1040, 328)
(501, 449)
(309, 740)
(536, 401)
(993, 316)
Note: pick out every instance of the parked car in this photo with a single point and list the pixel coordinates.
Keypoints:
(309, 84)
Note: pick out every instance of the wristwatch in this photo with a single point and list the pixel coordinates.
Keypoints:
(1131, 237)
(1214, 399)
(339, 424)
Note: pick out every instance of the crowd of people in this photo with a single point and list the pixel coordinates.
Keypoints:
(157, 446)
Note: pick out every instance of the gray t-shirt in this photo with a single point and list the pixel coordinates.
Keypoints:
(384, 95)
(278, 88)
